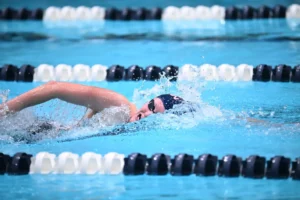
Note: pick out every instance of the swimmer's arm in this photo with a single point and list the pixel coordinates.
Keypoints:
(262, 122)
(94, 98)
(252, 120)
(89, 114)
(256, 121)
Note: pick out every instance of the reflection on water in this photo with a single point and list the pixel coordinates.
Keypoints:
(145, 187)
(208, 30)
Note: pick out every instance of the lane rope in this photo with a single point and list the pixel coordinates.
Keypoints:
(255, 166)
(68, 13)
(187, 72)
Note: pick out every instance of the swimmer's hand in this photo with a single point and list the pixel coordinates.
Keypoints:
(257, 121)
(4, 112)
(89, 113)
(262, 122)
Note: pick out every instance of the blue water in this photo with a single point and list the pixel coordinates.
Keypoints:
(252, 42)
(264, 41)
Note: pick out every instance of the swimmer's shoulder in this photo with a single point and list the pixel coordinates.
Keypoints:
(132, 108)
(111, 96)
(118, 98)
(125, 101)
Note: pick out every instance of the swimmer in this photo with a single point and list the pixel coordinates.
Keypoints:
(95, 99)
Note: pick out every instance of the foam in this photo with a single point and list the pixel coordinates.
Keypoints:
(110, 121)
(65, 116)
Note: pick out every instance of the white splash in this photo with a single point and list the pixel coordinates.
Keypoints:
(62, 116)
(190, 91)
(3, 107)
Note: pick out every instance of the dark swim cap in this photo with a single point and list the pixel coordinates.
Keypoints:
(169, 100)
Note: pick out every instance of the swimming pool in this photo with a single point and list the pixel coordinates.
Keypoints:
(253, 42)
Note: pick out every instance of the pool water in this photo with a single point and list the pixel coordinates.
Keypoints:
(160, 43)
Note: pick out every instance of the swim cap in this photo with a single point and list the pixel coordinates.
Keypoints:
(169, 100)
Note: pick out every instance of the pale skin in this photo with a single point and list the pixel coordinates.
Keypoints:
(94, 98)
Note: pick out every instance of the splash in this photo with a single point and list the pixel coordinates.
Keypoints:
(3, 107)
(33, 124)
(190, 91)
(59, 120)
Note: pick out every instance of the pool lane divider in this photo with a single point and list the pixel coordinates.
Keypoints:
(187, 72)
(255, 166)
(68, 13)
